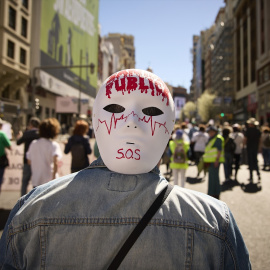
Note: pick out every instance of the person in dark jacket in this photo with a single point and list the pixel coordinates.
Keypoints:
(27, 137)
(252, 141)
(79, 146)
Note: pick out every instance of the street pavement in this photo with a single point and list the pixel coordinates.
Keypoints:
(248, 203)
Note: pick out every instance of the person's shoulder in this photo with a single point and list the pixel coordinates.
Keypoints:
(201, 209)
(40, 197)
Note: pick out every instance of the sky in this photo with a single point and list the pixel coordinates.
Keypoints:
(162, 30)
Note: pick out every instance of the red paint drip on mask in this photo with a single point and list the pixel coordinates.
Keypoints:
(127, 81)
(114, 121)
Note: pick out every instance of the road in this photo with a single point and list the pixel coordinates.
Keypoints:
(249, 205)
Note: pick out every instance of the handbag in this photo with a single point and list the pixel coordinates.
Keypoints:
(4, 162)
(140, 227)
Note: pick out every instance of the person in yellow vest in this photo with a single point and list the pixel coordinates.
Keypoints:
(213, 156)
(179, 160)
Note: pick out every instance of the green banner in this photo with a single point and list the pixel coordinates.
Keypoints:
(69, 37)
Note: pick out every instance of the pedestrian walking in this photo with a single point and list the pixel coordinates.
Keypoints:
(30, 134)
(179, 160)
(265, 146)
(199, 140)
(121, 212)
(252, 141)
(44, 153)
(213, 156)
(238, 138)
(79, 147)
(229, 149)
(4, 144)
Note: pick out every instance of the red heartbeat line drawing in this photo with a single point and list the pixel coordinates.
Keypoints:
(114, 121)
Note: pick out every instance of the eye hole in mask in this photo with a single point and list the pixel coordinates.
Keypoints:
(114, 108)
(152, 111)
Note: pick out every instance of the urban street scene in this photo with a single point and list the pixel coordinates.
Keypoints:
(131, 141)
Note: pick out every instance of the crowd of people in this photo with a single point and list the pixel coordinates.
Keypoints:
(42, 152)
(206, 146)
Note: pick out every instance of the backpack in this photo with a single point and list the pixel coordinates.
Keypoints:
(179, 155)
(266, 141)
(230, 146)
(78, 156)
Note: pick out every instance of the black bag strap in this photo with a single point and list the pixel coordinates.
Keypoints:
(140, 227)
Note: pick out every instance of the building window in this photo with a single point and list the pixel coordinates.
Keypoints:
(25, 3)
(39, 111)
(264, 74)
(47, 112)
(10, 49)
(12, 18)
(24, 27)
(22, 56)
(5, 92)
(18, 94)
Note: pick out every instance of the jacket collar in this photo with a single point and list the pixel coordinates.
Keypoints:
(98, 163)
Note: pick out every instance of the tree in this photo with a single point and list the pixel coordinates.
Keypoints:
(189, 110)
(206, 106)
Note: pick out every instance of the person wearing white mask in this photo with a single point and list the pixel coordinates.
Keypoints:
(85, 220)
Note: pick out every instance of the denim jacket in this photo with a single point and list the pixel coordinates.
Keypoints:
(81, 220)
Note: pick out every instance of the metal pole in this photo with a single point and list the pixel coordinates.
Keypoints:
(80, 86)
(34, 91)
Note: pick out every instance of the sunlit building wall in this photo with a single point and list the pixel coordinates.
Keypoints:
(15, 37)
(263, 61)
(222, 60)
(245, 55)
(209, 36)
(193, 55)
(124, 48)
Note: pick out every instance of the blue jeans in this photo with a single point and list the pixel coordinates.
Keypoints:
(26, 178)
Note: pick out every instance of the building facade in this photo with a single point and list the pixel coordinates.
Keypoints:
(263, 60)
(15, 39)
(222, 62)
(245, 56)
(124, 48)
(48, 59)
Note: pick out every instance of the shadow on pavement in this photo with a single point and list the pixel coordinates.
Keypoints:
(4, 213)
(229, 185)
(195, 180)
(251, 187)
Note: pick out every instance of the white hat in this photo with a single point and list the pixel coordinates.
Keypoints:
(252, 121)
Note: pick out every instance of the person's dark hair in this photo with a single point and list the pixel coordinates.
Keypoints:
(226, 132)
(81, 128)
(183, 125)
(202, 128)
(34, 122)
(49, 128)
(265, 129)
(236, 129)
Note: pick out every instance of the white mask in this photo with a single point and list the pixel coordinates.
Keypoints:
(133, 117)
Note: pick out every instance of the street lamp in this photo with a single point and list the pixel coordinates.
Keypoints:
(34, 79)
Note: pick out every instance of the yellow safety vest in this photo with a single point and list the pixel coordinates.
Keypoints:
(211, 152)
(172, 146)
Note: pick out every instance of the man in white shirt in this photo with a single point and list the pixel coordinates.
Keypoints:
(200, 140)
(238, 139)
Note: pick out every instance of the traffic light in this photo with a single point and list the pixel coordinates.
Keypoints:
(222, 114)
